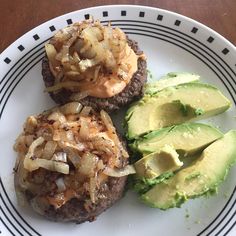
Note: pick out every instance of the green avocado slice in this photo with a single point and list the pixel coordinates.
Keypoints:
(187, 138)
(200, 178)
(174, 105)
(158, 163)
(171, 79)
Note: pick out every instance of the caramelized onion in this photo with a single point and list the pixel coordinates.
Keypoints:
(85, 111)
(57, 116)
(78, 146)
(30, 124)
(32, 165)
(79, 96)
(74, 158)
(88, 164)
(60, 184)
(64, 54)
(60, 156)
(29, 139)
(92, 189)
(67, 84)
(83, 132)
(86, 63)
(127, 170)
(33, 146)
(96, 73)
(51, 53)
(60, 167)
(22, 143)
(49, 149)
(22, 174)
(71, 108)
(108, 122)
(102, 144)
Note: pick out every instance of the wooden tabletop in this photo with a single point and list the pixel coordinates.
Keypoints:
(19, 16)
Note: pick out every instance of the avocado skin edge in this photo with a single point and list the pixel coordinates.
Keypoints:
(171, 79)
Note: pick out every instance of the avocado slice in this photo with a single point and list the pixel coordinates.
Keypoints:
(187, 138)
(157, 163)
(142, 185)
(171, 79)
(174, 105)
(200, 178)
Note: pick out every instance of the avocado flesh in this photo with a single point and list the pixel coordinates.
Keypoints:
(174, 105)
(200, 178)
(187, 138)
(171, 79)
(157, 163)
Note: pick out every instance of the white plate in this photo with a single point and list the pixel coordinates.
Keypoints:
(172, 43)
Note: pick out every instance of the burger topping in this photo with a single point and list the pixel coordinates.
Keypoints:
(79, 147)
(92, 59)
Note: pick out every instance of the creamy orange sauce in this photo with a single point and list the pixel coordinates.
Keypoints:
(111, 85)
(107, 85)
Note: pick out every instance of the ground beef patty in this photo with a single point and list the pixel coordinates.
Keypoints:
(68, 163)
(133, 91)
(74, 210)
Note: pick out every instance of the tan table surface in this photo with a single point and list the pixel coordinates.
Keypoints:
(20, 16)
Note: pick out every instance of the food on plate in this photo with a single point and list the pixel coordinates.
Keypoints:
(97, 65)
(171, 79)
(71, 163)
(186, 138)
(174, 105)
(153, 165)
(201, 178)
(176, 160)
(181, 144)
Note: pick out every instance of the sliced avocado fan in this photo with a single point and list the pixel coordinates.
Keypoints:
(200, 178)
